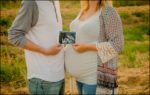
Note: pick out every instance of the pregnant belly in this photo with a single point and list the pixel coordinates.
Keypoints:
(80, 64)
(80, 70)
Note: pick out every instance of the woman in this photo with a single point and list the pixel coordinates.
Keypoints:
(93, 59)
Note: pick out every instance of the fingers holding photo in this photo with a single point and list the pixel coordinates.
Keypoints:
(80, 48)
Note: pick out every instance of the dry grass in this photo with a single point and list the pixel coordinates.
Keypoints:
(5, 13)
(132, 9)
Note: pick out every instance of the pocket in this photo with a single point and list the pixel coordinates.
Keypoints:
(32, 87)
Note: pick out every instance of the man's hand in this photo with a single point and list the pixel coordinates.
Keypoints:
(53, 50)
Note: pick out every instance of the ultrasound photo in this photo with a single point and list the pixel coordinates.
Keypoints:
(67, 37)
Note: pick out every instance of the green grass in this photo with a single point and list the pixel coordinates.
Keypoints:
(130, 52)
(124, 15)
(13, 68)
(136, 33)
(118, 3)
(9, 4)
(9, 72)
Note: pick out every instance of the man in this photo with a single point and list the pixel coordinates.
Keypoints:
(36, 29)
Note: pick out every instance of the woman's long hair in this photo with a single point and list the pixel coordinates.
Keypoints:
(101, 4)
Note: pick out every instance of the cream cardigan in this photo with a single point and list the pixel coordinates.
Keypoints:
(111, 42)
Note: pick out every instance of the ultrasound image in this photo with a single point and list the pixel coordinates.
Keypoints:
(67, 37)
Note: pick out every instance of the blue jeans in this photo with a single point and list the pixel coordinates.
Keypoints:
(41, 87)
(85, 89)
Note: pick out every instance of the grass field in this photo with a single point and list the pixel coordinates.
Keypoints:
(133, 66)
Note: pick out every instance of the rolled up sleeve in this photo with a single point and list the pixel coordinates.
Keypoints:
(22, 24)
(114, 35)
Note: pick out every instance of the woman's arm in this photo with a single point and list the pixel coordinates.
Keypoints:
(82, 47)
(114, 35)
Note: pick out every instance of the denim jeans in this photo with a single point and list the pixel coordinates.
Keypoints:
(41, 87)
(85, 89)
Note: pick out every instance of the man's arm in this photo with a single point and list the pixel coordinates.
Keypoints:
(26, 18)
(22, 24)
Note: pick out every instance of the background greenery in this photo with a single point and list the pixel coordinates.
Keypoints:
(133, 71)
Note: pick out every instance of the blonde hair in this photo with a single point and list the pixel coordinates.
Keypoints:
(101, 4)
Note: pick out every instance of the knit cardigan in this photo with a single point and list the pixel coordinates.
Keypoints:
(111, 42)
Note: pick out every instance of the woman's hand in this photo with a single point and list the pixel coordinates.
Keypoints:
(52, 50)
(80, 48)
